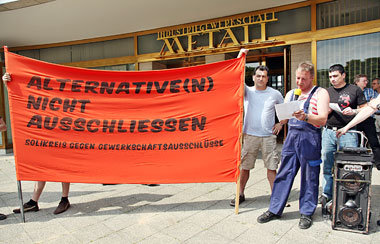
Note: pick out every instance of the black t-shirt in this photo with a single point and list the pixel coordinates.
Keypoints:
(347, 96)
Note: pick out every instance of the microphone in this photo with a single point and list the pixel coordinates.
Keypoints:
(297, 93)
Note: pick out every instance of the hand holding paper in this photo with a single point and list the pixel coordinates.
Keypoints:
(335, 107)
(286, 110)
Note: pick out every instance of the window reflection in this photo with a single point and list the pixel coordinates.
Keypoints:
(358, 54)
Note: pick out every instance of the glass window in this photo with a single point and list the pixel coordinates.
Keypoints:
(358, 54)
(56, 54)
(149, 44)
(88, 51)
(119, 48)
(290, 21)
(121, 67)
(346, 12)
(30, 53)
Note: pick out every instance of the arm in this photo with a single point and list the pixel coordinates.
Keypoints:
(322, 108)
(361, 100)
(361, 116)
(278, 127)
(351, 111)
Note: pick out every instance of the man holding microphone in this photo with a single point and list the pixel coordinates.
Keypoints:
(302, 149)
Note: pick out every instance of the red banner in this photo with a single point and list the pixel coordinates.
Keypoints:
(91, 126)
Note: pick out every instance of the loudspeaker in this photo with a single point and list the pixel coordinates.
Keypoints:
(352, 190)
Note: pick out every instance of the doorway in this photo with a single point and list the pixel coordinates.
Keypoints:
(277, 60)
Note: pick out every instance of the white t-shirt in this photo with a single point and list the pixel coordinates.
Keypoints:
(259, 110)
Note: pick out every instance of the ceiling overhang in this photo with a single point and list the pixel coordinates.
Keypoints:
(70, 20)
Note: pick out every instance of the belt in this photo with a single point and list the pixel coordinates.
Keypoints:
(332, 127)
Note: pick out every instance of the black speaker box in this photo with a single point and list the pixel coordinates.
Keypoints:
(352, 190)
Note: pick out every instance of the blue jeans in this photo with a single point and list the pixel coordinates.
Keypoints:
(329, 147)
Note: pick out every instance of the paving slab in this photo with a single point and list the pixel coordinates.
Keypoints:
(168, 213)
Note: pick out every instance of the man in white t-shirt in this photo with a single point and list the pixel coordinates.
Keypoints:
(260, 130)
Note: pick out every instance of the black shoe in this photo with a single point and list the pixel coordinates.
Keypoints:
(62, 207)
(241, 200)
(3, 216)
(267, 216)
(305, 221)
(27, 208)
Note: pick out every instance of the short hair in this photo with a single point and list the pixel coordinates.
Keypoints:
(306, 66)
(357, 77)
(337, 67)
(376, 78)
(261, 68)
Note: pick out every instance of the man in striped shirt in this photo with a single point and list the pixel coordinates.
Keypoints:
(302, 149)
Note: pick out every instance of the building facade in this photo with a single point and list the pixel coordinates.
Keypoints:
(322, 31)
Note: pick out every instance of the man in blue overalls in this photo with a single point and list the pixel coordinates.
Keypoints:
(302, 149)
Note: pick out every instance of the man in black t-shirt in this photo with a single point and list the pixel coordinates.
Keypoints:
(350, 99)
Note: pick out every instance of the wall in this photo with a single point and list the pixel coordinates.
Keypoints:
(299, 53)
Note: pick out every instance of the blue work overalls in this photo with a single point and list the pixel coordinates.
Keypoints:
(302, 148)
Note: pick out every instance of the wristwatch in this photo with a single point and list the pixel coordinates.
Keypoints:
(306, 118)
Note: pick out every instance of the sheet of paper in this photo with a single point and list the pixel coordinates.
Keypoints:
(285, 110)
(335, 107)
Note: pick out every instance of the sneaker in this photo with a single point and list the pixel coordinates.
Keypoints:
(28, 207)
(305, 222)
(241, 200)
(3, 216)
(62, 207)
(267, 216)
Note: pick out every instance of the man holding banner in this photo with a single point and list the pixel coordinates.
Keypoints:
(79, 125)
(259, 128)
(3, 127)
(302, 149)
(32, 205)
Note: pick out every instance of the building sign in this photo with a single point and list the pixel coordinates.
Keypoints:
(171, 36)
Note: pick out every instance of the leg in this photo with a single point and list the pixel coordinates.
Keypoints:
(244, 176)
(309, 188)
(271, 175)
(270, 157)
(348, 140)
(32, 205)
(283, 183)
(65, 189)
(64, 204)
(329, 144)
(248, 157)
(308, 193)
(38, 188)
(369, 129)
(328, 149)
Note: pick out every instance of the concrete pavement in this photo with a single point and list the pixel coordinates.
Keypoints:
(170, 213)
